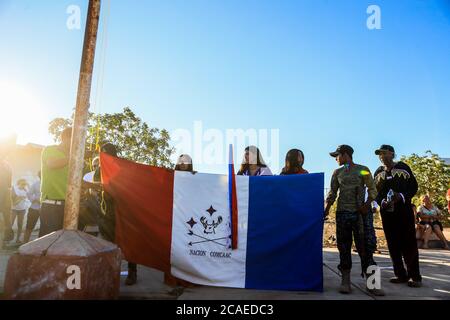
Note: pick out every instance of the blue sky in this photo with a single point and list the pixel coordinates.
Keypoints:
(311, 69)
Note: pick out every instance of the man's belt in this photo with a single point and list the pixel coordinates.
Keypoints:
(54, 202)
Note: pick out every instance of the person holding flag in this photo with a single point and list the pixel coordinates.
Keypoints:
(184, 163)
(253, 164)
(295, 159)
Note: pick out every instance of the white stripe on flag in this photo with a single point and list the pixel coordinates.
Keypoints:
(201, 254)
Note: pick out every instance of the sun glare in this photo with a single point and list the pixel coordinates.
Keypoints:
(21, 114)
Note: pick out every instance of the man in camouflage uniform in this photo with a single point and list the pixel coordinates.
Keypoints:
(348, 186)
(370, 237)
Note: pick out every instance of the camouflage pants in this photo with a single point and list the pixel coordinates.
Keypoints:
(370, 237)
(352, 226)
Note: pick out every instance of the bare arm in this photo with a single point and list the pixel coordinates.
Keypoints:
(52, 161)
(437, 215)
(331, 197)
(60, 163)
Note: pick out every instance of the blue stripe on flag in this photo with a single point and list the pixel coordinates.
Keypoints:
(285, 228)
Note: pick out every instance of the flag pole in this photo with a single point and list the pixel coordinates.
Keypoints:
(76, 161)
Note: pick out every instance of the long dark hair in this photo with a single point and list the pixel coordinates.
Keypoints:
(259, 160)
(110, 149)
(292, 165)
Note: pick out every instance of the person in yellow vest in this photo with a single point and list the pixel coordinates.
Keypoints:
(54, 175)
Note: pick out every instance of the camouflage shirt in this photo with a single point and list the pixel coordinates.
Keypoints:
(348, 185)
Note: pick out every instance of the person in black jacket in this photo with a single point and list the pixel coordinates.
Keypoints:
(396, 186)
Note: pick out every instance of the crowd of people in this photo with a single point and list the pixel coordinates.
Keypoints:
(19, 200)
(357, 193)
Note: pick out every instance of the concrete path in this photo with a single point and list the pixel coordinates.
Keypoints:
(435, 268)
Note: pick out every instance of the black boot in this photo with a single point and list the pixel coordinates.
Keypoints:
(131, 278)
(132, 274)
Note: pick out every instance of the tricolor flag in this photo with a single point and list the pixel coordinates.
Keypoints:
(179, 222)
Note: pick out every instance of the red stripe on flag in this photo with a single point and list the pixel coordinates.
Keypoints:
(143, 197)
(234, 211)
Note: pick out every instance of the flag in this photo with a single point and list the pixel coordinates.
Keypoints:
(179, 222)
(232, 200)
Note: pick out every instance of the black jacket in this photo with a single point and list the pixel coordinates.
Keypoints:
(400, 179)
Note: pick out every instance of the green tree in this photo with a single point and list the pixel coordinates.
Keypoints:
(135, 139)
(433, 177)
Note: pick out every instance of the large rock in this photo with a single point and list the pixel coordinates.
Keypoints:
(49, 268)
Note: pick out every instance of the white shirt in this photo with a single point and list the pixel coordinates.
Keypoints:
(266, 172)
(23, 203)
(428, 212)
(34, 195)
(262, 171)
(89, 177)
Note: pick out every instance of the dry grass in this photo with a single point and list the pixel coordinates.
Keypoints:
(329, 232)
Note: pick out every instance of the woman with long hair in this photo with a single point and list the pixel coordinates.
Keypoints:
(295, 159)
(253, 164)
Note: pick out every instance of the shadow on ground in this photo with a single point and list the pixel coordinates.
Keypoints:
(435, 268)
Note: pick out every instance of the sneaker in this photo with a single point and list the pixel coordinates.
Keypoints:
(414, 284)
(398, 280)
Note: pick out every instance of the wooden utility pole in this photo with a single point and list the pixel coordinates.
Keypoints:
(76, 162)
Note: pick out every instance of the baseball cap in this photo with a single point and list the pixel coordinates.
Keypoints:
(383, 148)
(342, 149)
